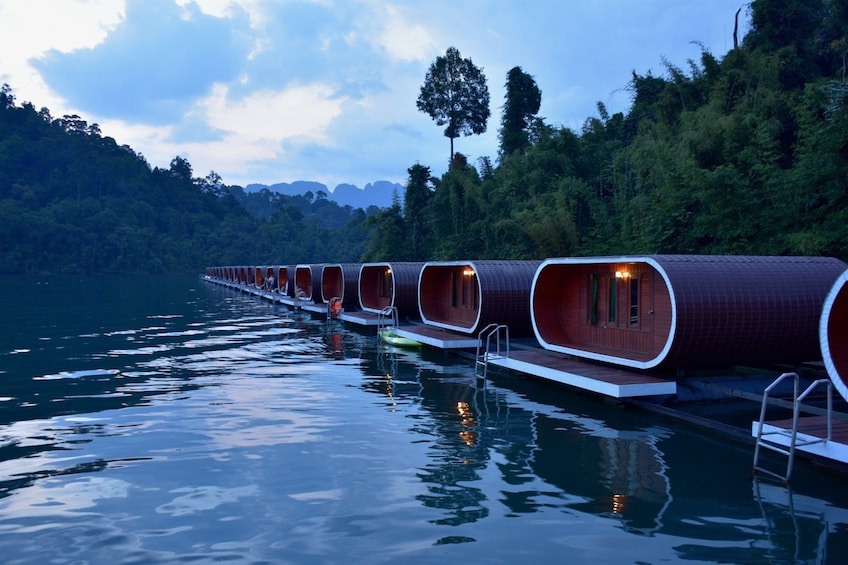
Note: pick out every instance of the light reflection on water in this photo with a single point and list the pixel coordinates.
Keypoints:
(235, 429)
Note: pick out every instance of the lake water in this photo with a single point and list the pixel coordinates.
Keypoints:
(166, 419)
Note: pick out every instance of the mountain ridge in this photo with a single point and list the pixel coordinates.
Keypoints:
(379, 193)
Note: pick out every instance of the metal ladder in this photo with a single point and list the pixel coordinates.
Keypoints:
(387, 318)
(487, 333)
(762, 437)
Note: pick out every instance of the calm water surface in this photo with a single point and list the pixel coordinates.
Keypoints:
(148, 420)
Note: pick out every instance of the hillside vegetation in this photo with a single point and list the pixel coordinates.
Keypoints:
(74, 201)
(743, 154)
(747, 154)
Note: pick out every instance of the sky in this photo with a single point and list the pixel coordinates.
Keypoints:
(270, 91)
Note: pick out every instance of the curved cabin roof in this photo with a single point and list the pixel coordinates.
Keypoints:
(679, 311)
(340, 281)
(833, 334)
(466, 296)
(390, 284)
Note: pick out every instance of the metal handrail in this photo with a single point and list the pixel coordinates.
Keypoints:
(389, 312)
(793, 433)
(489, 331)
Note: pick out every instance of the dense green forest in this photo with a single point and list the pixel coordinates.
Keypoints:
(73, 201)
(746, 154)
(743, 155)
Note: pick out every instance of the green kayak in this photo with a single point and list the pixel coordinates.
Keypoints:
(391, 338)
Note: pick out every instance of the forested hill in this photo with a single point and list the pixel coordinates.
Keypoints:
(743, 154)
(74, 201)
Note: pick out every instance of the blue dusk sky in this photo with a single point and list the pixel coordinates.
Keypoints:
(267, 91)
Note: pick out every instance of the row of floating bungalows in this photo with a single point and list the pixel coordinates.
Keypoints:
(662, 313)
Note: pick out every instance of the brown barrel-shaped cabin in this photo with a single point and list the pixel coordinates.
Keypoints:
(285, 279)
(307, 282)
(682, 311)
(390, 284)
(467, 296)
(259, 276)
(340, 281)
(833, 334)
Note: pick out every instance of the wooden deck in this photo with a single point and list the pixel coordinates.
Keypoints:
(435, 337)
(609, 381)
(810, 429)
(361, 318)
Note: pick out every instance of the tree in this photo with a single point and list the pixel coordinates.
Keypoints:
(523, 99)
(7, 99)
(180, 168)
(455, 94)
(415, 203)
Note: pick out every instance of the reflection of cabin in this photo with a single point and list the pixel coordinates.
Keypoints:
(833, 334)
(389, 284)
(684, 310)
(340, 281)
(466, 296)
(307, 278)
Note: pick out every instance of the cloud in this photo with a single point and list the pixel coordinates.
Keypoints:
(30, 29)
(295, 113)
(152, 64)
(401, 38)
(273, 91)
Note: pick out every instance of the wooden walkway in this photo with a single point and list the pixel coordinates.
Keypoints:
(810, 428)
(609, 381)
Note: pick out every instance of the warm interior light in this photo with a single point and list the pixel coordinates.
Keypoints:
(619, 503)
(622, 275)
(468, 272)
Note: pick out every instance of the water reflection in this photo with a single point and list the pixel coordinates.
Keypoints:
(246, 431)
(548, 456)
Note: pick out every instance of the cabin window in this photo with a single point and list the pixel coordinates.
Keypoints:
(385, 290)
(593, 299)
(464, 290)
(471, 282)
(612, 296)
(634, 302)
(454, 289)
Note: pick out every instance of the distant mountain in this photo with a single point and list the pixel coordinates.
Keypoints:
(378, 193)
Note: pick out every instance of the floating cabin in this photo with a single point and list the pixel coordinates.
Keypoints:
(833, 334)
(467, 296)
(340, 281)
(260, 277)
(682, 311)
(246, 275)
(285, 279)
(307, 278)
(382, 285)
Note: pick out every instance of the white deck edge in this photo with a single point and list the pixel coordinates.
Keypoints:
(586, 383)
(458, 343)
(832, 450)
